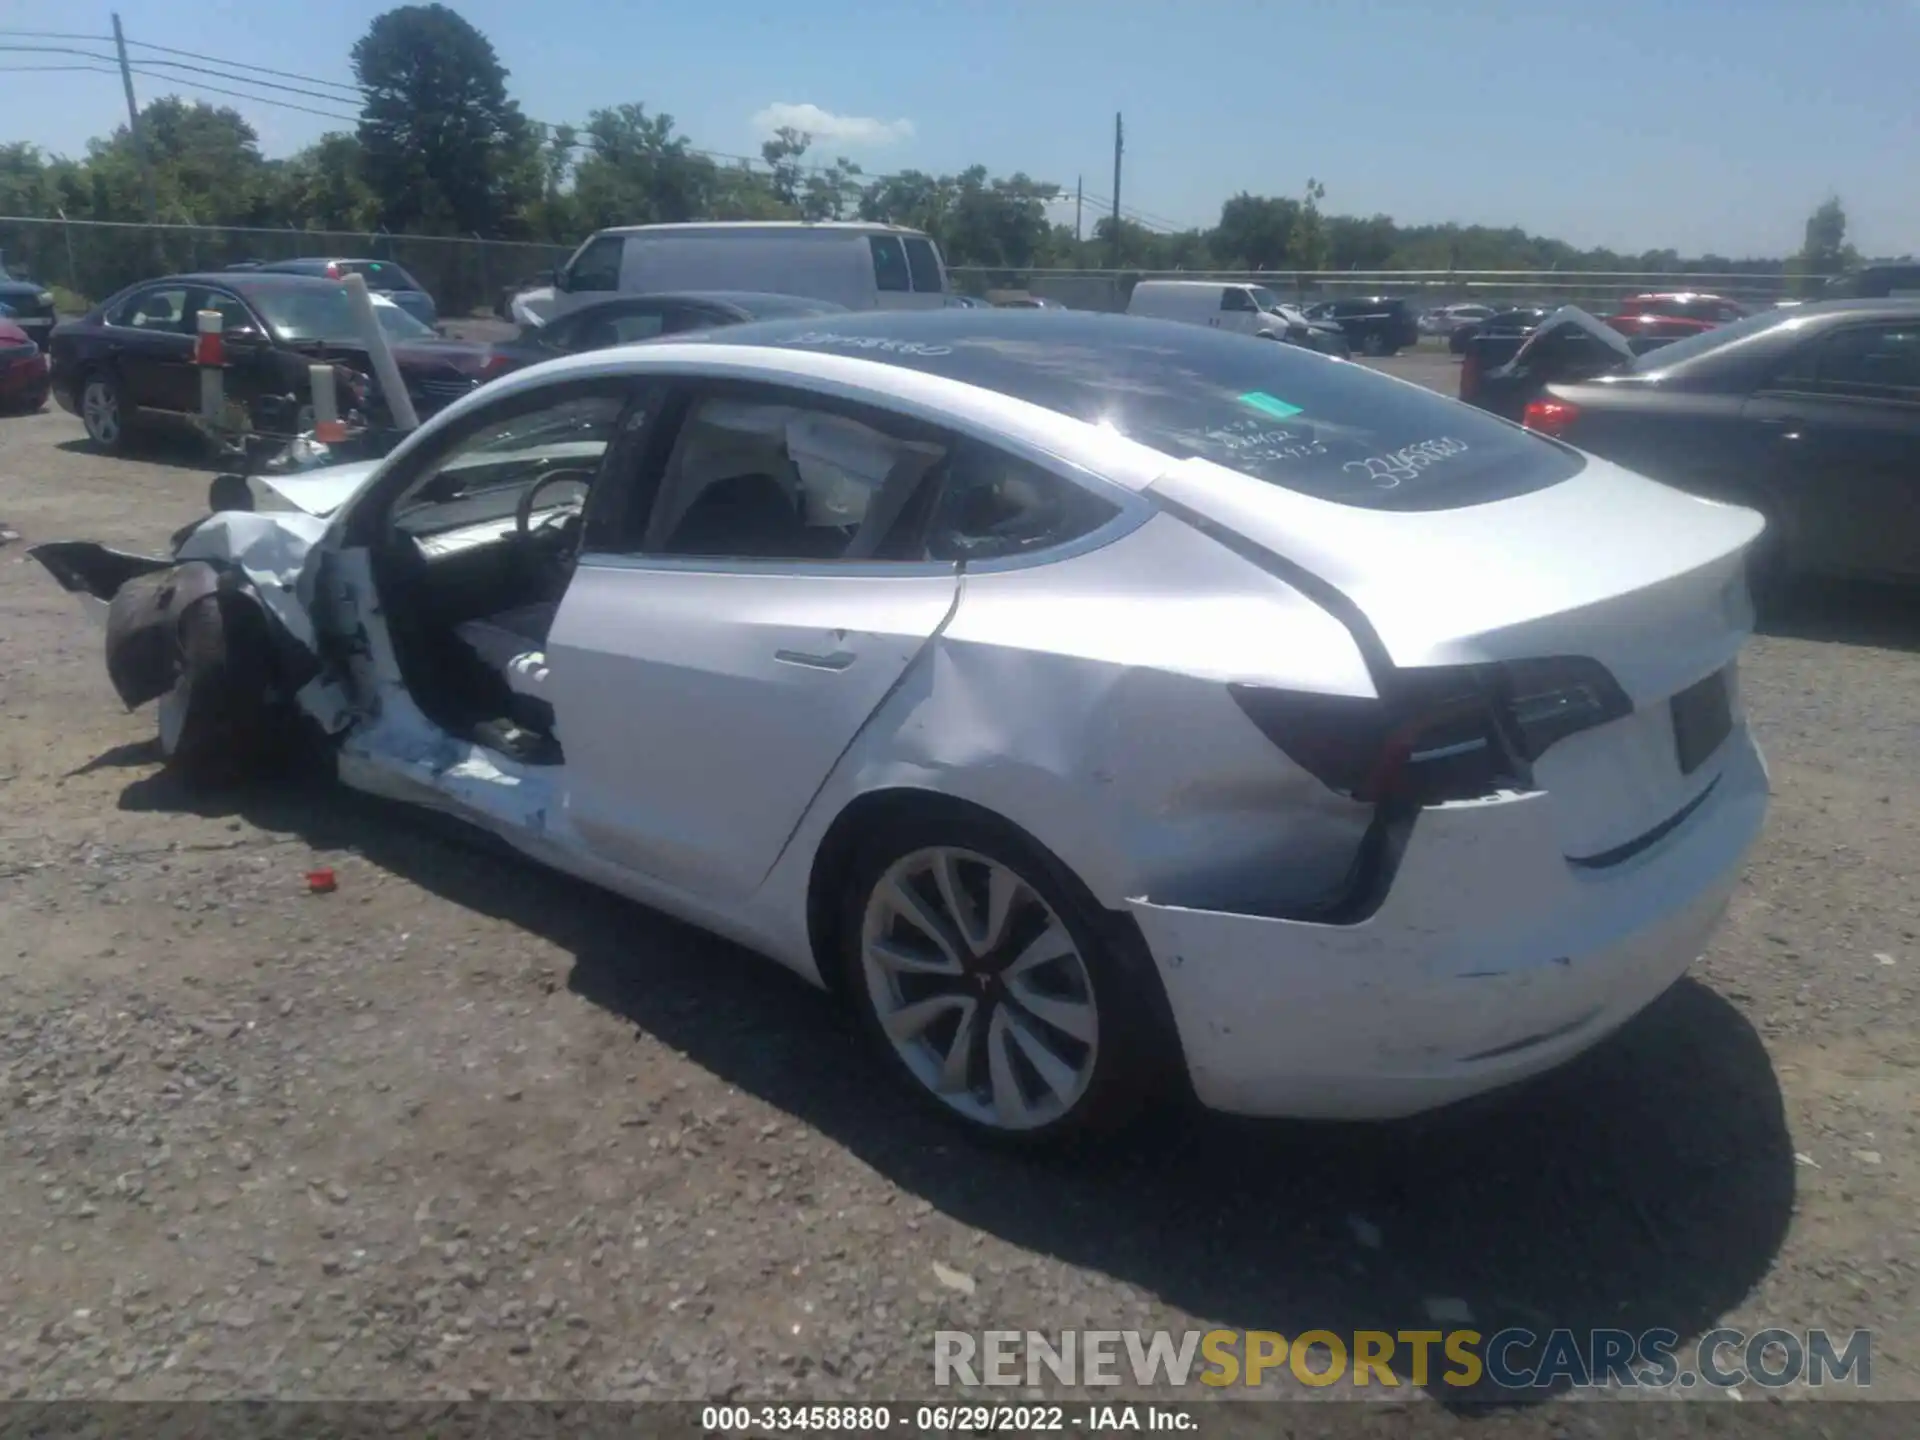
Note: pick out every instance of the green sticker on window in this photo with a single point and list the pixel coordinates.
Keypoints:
(1269, 405)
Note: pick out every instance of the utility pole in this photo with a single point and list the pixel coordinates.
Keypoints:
(133, 129)
(1079, 194)
(1119, 144)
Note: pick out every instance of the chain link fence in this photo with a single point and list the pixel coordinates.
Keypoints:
(1600, 291)
(89, 260)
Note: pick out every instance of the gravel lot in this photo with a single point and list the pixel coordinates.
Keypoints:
(463, 1128)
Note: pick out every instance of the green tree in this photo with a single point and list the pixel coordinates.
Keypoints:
(445, 147)
(325, 186)
(637, 171)
(1256, 231)
(782, 152)
(1825, 251)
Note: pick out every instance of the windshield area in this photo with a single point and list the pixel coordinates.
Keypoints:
(317, 315)
(1267, 300)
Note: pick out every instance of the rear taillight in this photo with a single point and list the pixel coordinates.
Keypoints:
(1444, 734)
(1550, 417)
(333, 272)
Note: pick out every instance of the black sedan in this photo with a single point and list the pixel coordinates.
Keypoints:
(1519, 322)
(1810, 415)
(630, 318)
(130, 359)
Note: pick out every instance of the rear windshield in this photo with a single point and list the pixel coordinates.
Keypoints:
(381, 274)
(1318, 426)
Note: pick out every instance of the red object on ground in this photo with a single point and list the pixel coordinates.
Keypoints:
(321, 882)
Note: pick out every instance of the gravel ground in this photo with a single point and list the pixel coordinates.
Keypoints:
(464, 1128)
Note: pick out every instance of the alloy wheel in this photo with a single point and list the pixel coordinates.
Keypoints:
(100, 412)
(980, 988)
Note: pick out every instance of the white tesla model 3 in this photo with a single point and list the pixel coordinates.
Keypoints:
(1103, 706)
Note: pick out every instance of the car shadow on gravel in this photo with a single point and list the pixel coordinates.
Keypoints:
(1647, 1185)
(180, 450)
(1885, 617)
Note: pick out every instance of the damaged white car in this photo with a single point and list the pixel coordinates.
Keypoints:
(1102, 706)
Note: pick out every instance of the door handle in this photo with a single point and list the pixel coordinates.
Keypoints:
(838, 660)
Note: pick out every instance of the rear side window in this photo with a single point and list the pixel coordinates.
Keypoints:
(890, 272)
(924, 267)
(1880, 361)
(994, 505)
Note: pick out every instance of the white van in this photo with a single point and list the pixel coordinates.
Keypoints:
(861, 266)
(1246, 309)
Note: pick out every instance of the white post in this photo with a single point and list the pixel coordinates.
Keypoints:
(327, 428)
(209, 354)
(375, 339)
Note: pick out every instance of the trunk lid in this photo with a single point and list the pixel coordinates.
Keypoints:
(1644, 578)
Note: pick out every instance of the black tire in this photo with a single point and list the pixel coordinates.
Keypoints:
(1374, 344)
(231, 730)
(1137, 1051)
(103, 386)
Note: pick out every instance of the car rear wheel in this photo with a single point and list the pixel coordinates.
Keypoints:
(982, 972)
(101, 411)
(1374, 344)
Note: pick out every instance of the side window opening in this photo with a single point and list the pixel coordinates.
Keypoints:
(923, 266)
(1233, 298)
(481, 480)
(994, 505)
(766, 479)
(159, 309)
(890, 272)
(598, 266)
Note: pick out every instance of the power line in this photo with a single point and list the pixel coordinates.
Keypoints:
(142, 62)
(249, 65)
(111, 69)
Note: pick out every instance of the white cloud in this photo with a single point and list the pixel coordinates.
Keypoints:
(828, 128)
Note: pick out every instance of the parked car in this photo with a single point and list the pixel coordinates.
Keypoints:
(383, 277)
(1515, 324)
(1652, 320)
(966, 302)
(861, 266)
(28, 304)
(1502, 373)
(631, 318)
(869, 655)
(129, 360)
(1446, 320)
(1239, 308)
(1875, 282)
(1809, 415)
(1375, 325)
(23, 369)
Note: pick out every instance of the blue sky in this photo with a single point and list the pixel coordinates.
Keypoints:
(1634, 124)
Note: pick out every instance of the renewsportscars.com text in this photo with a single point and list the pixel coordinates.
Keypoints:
(1512, 1359)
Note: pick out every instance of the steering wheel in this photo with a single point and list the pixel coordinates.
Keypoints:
(553, 566)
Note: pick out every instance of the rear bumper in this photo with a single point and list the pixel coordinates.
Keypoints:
(1491, 959)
